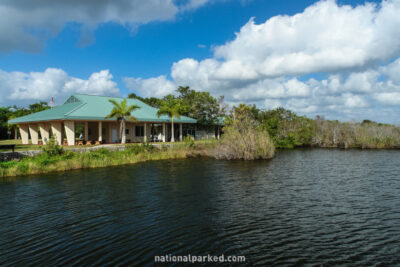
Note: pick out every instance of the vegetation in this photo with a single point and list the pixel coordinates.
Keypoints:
(289, 130)
(172, 108)
(202, 106)
(244, 138)
(54, 159)
(284, 127)
(122, 112)
(52, 148)
(8, 113)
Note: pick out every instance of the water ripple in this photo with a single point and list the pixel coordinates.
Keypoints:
(304, 207)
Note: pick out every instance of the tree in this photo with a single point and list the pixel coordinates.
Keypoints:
(36, 107)
(122, 112)
(151, 101)
(171, 107)
(244, 137)
(13, 127)
(5, 114)
(201, 106)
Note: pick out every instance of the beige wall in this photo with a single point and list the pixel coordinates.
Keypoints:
(33, 131)
(93, 127)
(23, 130)
(100, 131)
(70, 132)
(56, 130)
(44, 132)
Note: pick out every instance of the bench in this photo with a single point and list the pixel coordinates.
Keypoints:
(8, 147)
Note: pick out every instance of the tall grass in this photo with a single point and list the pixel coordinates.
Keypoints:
(244, 139)
(356, 135)
(68, 160)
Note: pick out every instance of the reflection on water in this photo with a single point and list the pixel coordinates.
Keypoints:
(302, 207)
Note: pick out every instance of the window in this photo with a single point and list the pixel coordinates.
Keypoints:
(126, 131)
(139, 130)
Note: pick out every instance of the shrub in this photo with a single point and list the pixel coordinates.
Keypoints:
(46, 160)
(23, 167)
(103, 151)
(68, 155)
(147, 147)
(135, 149)
(52, 148)
(189, 142)
(245, 139)
(8, 164)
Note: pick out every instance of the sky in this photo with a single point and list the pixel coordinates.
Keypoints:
(337, 59)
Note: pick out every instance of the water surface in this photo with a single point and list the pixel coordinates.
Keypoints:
(304, 207)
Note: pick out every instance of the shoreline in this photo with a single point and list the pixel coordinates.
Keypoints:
(95, 158)
(103, 157)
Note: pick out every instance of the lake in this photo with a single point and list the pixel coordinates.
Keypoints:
(309, 206)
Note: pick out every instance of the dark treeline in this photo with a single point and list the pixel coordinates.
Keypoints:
(202, 106)
(289, 130)
(11, 112)
(285, 128)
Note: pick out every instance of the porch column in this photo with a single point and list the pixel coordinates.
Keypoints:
(70, 131)
(163, 132)
(180, 132)
(23, 130)
(44, 132)
(56, 129)
(86, 134)
(100, 131)
(145, 132)
(218, 133)
(34, 133)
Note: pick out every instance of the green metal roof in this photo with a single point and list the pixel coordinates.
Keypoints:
(92, 107)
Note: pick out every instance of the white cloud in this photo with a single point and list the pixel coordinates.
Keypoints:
(391, 98)
(266, 63)
(21, 88)
(153, 87)
(193, 4)
(99, 83)
(26, 24)
(393, 71)
(325, 37)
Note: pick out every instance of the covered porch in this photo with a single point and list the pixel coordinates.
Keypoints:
(79, 132)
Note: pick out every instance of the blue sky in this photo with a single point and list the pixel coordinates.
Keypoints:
(153, 47)
(151, 52)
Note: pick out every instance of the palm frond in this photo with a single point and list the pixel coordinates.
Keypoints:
(115, 103)
(132, 108)
(131, 118)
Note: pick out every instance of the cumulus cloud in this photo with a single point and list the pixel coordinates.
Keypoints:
(352, 55)
(153, 87)
(21, 88)
(26, 24)
(324, 38)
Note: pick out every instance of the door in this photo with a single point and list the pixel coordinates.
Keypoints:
(114, 135)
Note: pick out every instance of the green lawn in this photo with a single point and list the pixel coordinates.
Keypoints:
(19, 146)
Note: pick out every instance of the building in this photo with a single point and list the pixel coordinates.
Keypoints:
(89, 112)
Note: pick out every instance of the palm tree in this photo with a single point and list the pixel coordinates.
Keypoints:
(122, 113)
(170, 107)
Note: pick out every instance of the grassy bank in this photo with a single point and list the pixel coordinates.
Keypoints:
(56, 160)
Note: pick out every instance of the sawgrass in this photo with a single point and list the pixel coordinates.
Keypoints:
(67, 160)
